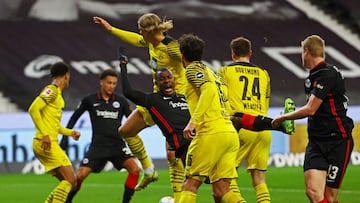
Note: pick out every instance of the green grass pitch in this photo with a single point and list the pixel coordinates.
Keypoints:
(285, 185)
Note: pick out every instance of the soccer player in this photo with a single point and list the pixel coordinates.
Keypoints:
(169, 111)
(329, 128)
(106, 110)
(213, 149)
(46, 111)
(164, 52)
(248, 89)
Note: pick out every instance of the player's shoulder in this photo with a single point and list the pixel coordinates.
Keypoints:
(168, 40)
(50, 91)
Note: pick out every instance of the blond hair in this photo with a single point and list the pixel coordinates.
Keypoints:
(151, 22)
(315, 44)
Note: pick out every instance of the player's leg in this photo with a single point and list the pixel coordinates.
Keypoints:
(260, 123)
(81, 174)
(224, 171)
(133, 175)
(67, 179)
(56, 163)
(176, 171)
(189, 192)
(129, 130)
(315, 183)
(257, 162)
(339, 153)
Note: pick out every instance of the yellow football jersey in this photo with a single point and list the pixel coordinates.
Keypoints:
(206, 100)
(165, 55)
(248, 88)
(46, 112)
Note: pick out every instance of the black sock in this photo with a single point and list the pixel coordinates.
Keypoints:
(128, 194)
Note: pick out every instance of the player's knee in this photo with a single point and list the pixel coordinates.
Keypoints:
(313, 194)
(123, 132)
(170, 155)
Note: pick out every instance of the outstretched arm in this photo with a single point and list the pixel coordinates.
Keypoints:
(135, 96)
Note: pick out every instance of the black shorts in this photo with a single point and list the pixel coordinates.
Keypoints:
(97, 157)
(181, 152)
(331, 156)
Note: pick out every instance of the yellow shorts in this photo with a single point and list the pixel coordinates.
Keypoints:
(51, 159)
(212, 155)
(254, 149)
(146, 115)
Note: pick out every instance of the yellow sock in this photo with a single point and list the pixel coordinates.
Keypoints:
(177, 177)
(262, 193)
(136, 146)
(187, 197)
(61, 191)
(49, 198)
(231, 197)
(235, 189)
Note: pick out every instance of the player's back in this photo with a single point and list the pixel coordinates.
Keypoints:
(248, 87)
(215, 117)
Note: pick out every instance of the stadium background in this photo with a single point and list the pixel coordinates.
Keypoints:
(36, 33)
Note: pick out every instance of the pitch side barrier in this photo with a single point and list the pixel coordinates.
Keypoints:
(17, 131)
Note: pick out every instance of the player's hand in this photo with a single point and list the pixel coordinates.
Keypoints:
(103, 23)
(121, 55)
(46, 143)
(64, 143)
(189, 131)
(75, 135)
(277, 121)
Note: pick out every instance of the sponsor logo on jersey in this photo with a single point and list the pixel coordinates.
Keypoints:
(181, 105)
(116, 104)
(96, 104)
(199, 75)
(107, 114)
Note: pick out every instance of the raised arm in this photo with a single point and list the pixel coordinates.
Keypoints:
(136, 96)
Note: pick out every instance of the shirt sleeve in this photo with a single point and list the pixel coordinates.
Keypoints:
(323, 85)
(207, 91)
(130, 37)
(77, 113)
(47, 95)
(65, 131)
(34, 110)
(136, 96)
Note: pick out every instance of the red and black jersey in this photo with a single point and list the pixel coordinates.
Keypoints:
(170, 113)
(330, 120)
(105, 118)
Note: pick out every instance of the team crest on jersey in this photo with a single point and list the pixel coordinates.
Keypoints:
(199, 75)
(116, 104)
(307, 83)
(47, 92)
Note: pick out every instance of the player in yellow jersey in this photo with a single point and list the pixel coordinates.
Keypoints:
(214, 146)
(248, 88)
(164, 53)
(46, 111)
(249, 92)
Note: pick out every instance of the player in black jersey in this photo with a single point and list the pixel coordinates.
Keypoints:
(329, 128)
(106, 110)
(169, 111)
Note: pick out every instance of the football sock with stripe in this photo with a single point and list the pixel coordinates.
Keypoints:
(262, 193)
(136, 146)
(130, 184)
(177, 176)
(187, 197)
(235, 189)
(61, 192)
